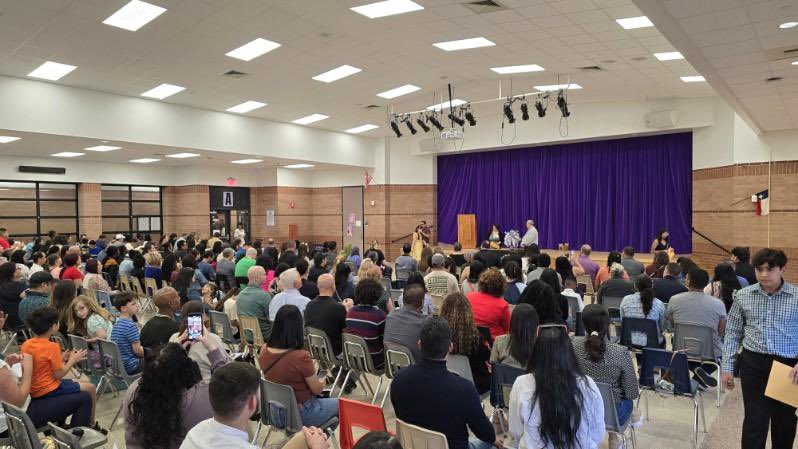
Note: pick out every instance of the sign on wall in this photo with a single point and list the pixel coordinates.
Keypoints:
(227, 199)
(270, 217)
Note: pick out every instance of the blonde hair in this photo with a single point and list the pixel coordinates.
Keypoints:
(76, 325)
(365, 266)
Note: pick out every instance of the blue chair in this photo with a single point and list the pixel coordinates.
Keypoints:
(501, 381)
(611, 422)
(104, 298)
(641, 325)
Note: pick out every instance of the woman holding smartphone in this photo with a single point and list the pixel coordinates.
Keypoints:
(193, 324)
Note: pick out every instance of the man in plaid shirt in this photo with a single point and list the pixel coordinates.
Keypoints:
(764, 320)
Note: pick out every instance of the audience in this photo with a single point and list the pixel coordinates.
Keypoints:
(583, 265)
(472, 273)
(61, 298)
(253, 301)
(189, 282)
(564, 268)
(289, 256)
(570, 291)
(308, 289)
(318, 268)
(290, 282)
(225, 268)
(657, 268)
(87, 319)
(169, 268)
(126, 333)
(152, 269)
(94, 279)
(54, 263)
(242, 267)
(617, 286)
(643, 304)
(200, 354)
(344, 287)
(40, 284)
(540, 295)
(490, 309)
(515, 282)
(12, 290)
(384, 303)
(515, 349)
(669, 284)
(633, 267)
(403, 325)
(439, 281)
(367, 321)
(158, 329)
(604, 272)
(467, 340)
(724, 284)
(38, 261)
(18, 258)
(405, 265)
(740, 257)
(542, 262)
(549, 276)
(327, 314)
(417, 278)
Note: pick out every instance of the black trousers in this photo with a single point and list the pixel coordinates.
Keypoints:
(761, 411)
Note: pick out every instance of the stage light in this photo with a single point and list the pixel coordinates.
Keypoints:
(456, 119)
(472, 121)
(539, 105)
(435, 122)
(524, 110)
(563, 104)
(508, 111)
(421, 123)
(409, 124)
(395, 128)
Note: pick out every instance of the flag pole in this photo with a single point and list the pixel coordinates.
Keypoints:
(770, 189)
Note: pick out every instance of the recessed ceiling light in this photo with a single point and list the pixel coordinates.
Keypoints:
(630, 23)
(793, 63)
(445, 105)
(246, 106)
(312, 118)
(253, 49)
(145, 160)
(668, 56)
(247, 161)
(337, 73)
(464, 44)
(67, 154)
(163, 91)
(518, 69)
(102, 148)
(693, 79)
(182, 155)
(787, 25)
(52, 71)
(551, 87)
(299, 166)
(387, 8)
(399, 91)
(7, 139)
(134, 15)
(361, 128)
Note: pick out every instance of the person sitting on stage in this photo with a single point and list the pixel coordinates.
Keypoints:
(495, 237)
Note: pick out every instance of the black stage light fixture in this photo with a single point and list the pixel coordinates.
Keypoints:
(539, 106)
(472, 121)
(421, 123)
(563, 104)
(409, 124)
(395, 128)
(524, 110)
(456, 119)
(508, 111)
(435, 122)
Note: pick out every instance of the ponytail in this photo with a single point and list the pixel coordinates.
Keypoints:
(595, 346)
(645, 287)
(596, 319)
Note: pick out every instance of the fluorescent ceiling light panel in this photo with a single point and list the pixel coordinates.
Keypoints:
(337, 73)
(7, 139)
(552, 87)
(668, 56)
(361, 129)
(518, 69)
(787, 25)
(246, 106)
(387, 8)
(464, 44)
(134, 15)
(247, 161)
(253, 49)
(793, 63)
(145, 160)
(445, 105)
(693, 79)
(631, 23)
(182, 155)
(312, 118)
(300, 166)
(52, 71)
(399, 91)
(163, 91)
(102, 148)
(67, 154)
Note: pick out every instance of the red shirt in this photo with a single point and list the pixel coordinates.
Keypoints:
(72, 273)
(491, 312)
(4, 243)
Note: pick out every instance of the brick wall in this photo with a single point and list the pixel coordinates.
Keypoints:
(186, 209)
(90, 209)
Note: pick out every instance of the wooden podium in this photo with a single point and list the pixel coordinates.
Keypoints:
(467, 230)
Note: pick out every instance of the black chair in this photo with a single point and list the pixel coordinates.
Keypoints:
(501, 382)
(639, 325)
(486, 334)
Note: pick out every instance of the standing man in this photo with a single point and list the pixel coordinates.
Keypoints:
(531, 235)
(764, 319)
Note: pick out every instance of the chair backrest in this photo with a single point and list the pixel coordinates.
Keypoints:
(281, 399)
(135, 286)
(611, 302)
(611, 421)
(396, 357)
(220, 325)
(104, 299)
(587, 281)
(90, 293)
(437, 303)
(357, 356)
(697, 340)
(79, 343)
(643, 325)
(64, 439)
(395, 294)
(358, 414)
(21, 428)
(501, 377)
(386, 283)
(459, 365)
(59, 338)
(579, 328)
(250, 328)
(320, 348)
(114, 366)
(151, 286)
(573, 307)
(124, 284)
(662, 360)
(415, 437)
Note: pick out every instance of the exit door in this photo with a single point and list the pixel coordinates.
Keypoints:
(352, 209)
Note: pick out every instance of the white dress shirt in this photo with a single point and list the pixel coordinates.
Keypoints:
(530, 237)
(211, 434)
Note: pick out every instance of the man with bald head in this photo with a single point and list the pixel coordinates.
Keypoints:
(583, 265)
(326, 313)
(253, 301)
(160, 327)
(290, 281)
(403, 326)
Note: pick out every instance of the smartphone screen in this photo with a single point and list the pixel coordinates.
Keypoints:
(194, 326)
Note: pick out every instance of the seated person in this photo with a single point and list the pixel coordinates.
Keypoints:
(367, 321)
(199, 353)
(604, 272)
(489, 307)
(158, 329)
(467, 340)
(669, 284)
(515, 282)
(40, 284)
(87, 319)
(643, 304)
(496, 237)
(126, 333)
(290, 282)
(403, 325)
(253, 301)
(617, 286)
(327, 314)
(283, 360)
(417, 278)
(515, 349)
(458, 407)
(309, 289)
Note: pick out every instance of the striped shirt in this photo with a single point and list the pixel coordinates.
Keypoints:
(124, 334)
(368, 322)
(763, 323)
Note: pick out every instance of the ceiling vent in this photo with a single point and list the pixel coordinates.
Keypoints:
(235, 74)
(372, 106)
(778, 54)
(591, 68)
(484, 6)
(773, 79)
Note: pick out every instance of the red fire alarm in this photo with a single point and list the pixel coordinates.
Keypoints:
(292, 204)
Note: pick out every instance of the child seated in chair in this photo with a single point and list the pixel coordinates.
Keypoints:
(126, 333)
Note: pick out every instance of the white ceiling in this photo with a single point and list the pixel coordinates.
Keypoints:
(187, 45)
(731, 43)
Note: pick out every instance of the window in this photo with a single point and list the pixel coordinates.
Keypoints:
(29, 209)
(132, 210)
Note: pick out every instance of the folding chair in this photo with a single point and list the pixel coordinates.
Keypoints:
(358, 414)
(395, 295)
(124, 283)
(573, 309)
(86, 366)
(104, 299)
(415, 437)
(611, 422)
(357, 359)
(396, 357)
(321, 351)
(587, 282)
(221, 326)
(697, 341)
(636, 326)
(501, 379)
(613, 305)
(141, 293)
(437, 303)
(459, 365)
(65, 439)
(23, 435)
(386, 283)
(114, 369)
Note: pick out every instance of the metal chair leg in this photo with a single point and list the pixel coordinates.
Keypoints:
(343, 386)
(365, 383)
(385, 396)
(634, 438)
(377, 392)
(116, 416)
(335, 382)
(695, 423)
(257, 433)
(701, 406)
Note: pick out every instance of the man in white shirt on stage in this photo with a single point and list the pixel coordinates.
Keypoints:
(531, 235)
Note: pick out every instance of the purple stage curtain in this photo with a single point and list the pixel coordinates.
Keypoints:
(609, 193)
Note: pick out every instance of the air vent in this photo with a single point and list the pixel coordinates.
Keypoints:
(235, 74)
(372, 106)
(773, 79)
(638, 58)
(591, 68)
(484, 6)
(778, 54)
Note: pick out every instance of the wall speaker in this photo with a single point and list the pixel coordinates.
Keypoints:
(45, 170)
(660, 119)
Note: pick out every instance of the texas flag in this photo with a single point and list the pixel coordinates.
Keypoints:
(762, 200)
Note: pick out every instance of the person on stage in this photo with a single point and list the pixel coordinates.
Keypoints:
(495, 237)
(661, 243)
(418, 243)
(531, 236)
(426, 232)
(763, 321)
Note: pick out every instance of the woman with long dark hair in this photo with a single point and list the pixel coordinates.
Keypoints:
(661, 242)
(18, 257)
(475, 268)
(344, 287)
(11, 290)
(724, 284)
(540, 295)
(643, 304)
(169, 265)
(556, 406)
(609, 363)
(515, 348)
(563, 267)
(657, 268)
(170, 398)
(550, 277)
(187, 285)
(467, 340)
(64, 292)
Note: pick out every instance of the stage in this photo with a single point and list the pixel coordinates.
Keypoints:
(600, 257)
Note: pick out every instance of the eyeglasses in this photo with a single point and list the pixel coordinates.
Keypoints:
(549, 326)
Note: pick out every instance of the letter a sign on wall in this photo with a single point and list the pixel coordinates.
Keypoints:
(227, 199)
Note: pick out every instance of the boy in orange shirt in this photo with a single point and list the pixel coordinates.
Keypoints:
(49, 365)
